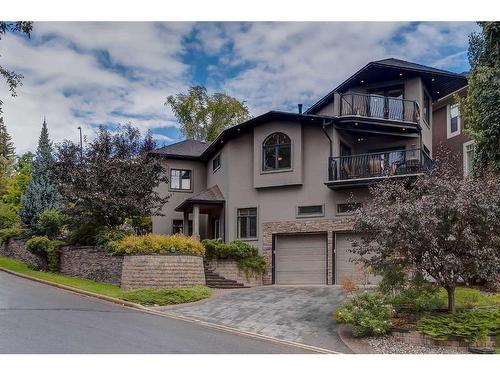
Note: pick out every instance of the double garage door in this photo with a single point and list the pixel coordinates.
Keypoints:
(303, 258)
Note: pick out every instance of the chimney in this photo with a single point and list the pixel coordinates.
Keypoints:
(300, 108)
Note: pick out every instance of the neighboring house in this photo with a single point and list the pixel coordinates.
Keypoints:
(285, 182)
(448, 132)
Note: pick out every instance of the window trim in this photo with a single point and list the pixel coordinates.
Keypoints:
(465, 169)
(213, 160)
(256, 238)
(449, 133)
(320, 214)
(263, 148)
(170, 188)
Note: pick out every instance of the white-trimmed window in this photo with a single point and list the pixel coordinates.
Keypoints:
(180, 179)
(468, 157)
(453, 120)
(310, 211)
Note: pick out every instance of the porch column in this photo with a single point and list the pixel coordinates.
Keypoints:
(185, 224)
(196, 221)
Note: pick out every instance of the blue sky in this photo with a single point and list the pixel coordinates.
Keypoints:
(87, 74)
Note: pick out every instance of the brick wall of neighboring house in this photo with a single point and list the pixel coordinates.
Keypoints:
(162, 271)
(229, 270)
(92, 263)
(440, 141)
(16, 249)
(301, 226)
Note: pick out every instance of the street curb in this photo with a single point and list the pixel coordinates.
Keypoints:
(141, 308)
(345, 334)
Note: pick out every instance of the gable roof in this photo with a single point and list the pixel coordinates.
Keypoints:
(211, 195)
(189, 148)
(440, 82)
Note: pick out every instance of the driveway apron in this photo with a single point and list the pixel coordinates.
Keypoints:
(294, 313)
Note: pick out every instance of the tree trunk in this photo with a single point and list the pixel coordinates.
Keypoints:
(451, 299)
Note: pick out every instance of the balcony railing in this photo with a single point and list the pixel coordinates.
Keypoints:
(380, 107)
(379, 164)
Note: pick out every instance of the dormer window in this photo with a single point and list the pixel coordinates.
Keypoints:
(276, 152)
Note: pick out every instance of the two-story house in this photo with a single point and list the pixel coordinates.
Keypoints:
(285, 182)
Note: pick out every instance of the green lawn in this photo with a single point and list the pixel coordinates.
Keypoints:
(469, 298)
(166, 296)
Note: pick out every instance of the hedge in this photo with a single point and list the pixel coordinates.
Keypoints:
(157, 244)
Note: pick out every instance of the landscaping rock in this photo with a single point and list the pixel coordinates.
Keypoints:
(390, 345)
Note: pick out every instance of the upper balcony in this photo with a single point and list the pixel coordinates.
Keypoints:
(359, 107)
(362, 170)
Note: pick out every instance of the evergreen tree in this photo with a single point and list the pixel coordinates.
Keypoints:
(41, 193)
(7, 151)
(149, 143)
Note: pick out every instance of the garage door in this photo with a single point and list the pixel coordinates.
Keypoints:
(300, 259)
(344, 267)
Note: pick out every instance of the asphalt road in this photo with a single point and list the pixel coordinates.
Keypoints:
(37, 318)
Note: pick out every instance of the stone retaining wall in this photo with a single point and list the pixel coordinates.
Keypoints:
(16, 249)
(229, 270)
(162, 271)
(456, 344)
(92, 263)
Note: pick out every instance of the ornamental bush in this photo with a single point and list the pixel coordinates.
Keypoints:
(50, 223)
(157, 244)
(236, 250)
(471, 325)
(367, 313)
(48, 249)
(246, 256)
(12, 232)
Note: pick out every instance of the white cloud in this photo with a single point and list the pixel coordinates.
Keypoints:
(83, 74)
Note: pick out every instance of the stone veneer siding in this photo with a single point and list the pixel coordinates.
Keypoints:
(92, 263)
(229, 270)
(301, 226)
(162, 271)
(16, 249)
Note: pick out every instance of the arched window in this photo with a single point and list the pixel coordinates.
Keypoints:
(276, 151)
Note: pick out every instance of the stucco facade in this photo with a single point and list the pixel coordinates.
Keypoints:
(316, 139)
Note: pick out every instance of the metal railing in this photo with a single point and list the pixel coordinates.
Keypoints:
(379, 164)
(376, 106)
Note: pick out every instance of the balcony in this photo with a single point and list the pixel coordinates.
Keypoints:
(379, 107)
(364, 169)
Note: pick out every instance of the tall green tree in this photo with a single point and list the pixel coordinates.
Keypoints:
(41, 193)
(7, 150)
(203, 116)
(481, 108)
(17, 184)
(13, 79)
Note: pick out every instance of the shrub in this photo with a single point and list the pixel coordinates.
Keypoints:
(471, 325)
(49, 249)
(157, 244)
(246, 256)
(140, 224)
(367, 313)
(469, 298)
(167, 296)
(236, 250)
(84, 234)
(417, 296)
(12, 232)
(50, 223)
(107, 235)
(252, 265)
(8, 216)
(348, 286)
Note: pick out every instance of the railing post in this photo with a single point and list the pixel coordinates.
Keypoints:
(352, 104)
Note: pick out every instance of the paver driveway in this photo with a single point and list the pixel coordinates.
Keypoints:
(299, 313)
